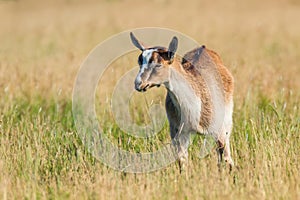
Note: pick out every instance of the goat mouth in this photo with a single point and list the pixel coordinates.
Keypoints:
(148, 86)
(145, 87)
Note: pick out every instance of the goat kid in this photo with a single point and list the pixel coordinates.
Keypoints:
(199, 94)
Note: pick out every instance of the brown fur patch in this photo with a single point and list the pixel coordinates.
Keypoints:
(227, 78)
(196, 59)
(199, 86)
(206, 61)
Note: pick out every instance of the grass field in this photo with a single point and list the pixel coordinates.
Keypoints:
(42, 46)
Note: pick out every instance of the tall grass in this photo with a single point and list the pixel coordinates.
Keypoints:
(42, 46)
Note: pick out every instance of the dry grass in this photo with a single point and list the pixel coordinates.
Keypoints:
(42, 46)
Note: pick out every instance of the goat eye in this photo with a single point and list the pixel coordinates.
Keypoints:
(158, 66)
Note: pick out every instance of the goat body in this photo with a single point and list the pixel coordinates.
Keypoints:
(199, 98)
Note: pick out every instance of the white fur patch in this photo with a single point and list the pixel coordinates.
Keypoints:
(188, 102)
(146, 57)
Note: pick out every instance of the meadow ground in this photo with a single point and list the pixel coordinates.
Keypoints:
(42, 46)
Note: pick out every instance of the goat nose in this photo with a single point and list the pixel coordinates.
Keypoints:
(137, 85)
(138, 88)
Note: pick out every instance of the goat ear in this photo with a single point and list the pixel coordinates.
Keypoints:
(136, 43)
(172, 48)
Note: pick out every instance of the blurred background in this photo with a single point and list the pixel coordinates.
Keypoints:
(42, 45)
(44, 42)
